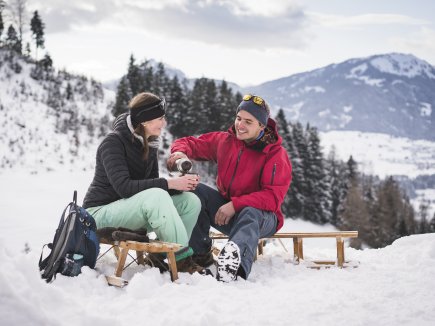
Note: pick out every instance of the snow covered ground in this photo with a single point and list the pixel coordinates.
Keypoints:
(391, 286)
(381, 154)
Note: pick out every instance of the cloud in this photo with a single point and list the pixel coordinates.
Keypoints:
(420, 43)
(363, 20)
(236, 24)
(62, 16)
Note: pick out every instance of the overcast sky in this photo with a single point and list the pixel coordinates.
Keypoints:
(242, 41)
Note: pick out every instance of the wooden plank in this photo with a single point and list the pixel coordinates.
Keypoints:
(153, 247)
(340, 251)
(172, 266)
(260, 247)
(300, 248)
(343, 234)
(116, 281)
(121, 262)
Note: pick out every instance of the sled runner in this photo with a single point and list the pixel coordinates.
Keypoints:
(298, 251)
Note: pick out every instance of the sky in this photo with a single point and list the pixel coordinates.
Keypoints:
(243, 41)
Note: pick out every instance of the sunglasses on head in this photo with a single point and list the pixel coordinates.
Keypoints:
(256, 99)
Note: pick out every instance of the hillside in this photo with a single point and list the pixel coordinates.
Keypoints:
(49, 119)
(391, 94)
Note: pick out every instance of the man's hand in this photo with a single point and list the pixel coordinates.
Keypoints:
(170, 163)
(224, 214)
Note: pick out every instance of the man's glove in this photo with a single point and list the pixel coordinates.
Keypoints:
(170, 163)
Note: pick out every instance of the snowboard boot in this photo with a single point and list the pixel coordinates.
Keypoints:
(228, 262)
(205, 260)
(187, 265)
(157, 260)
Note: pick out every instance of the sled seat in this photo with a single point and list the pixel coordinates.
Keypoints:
(298, 251)
(122, 248)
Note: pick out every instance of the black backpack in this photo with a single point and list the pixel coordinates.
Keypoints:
(75, 244)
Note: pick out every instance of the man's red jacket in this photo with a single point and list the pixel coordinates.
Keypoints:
(249, 175)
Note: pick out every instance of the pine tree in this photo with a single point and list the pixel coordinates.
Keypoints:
(432, 224)
(298, 187)
(19, 12)
(47, 62)
(27, 51)
(37, 28)
(392, 215)
(160, 81)
(318, 201)
(134, 77)
(177, 108)
(147, 72)
(352, 167)
(123, 96)
(423, 214)
(69, 92)
(355, 214)
(210, 108)
(2, 26)
(12, 41)
(202, 99)
(284, 132)
(336, 173)
(225, 108)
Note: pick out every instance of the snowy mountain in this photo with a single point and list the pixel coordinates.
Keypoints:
(391, 94)
(49, 119)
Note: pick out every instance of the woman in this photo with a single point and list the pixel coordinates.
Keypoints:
(126, 190)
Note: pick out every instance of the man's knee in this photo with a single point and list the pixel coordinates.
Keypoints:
(250, 213)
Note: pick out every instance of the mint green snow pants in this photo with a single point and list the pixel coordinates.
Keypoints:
(171, 218)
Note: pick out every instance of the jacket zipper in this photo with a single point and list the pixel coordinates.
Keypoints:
(273, 174)
(234, 174)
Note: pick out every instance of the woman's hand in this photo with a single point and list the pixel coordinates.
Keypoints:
(184, 183)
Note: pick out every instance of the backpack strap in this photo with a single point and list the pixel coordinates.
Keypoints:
(75, 197)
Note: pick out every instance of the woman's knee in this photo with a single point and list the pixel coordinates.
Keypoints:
(153, 195)
(193, 200)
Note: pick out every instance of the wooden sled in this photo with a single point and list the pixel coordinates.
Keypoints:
(298, 251)
(122, 248)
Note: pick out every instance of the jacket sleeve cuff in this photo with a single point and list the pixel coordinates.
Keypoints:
(238, 206)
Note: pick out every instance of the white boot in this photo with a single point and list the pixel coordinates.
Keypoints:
(228, 262)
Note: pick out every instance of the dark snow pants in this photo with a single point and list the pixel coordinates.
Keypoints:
(244, 229)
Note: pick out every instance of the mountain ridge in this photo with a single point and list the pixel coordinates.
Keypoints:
(386, 93)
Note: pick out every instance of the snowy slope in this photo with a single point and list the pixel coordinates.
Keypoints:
(50, 123)
(382, 155)
(391, 286)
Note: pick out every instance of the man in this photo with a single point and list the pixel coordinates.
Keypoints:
(254, 174)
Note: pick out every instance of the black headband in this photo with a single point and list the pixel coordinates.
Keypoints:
(147, 112)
